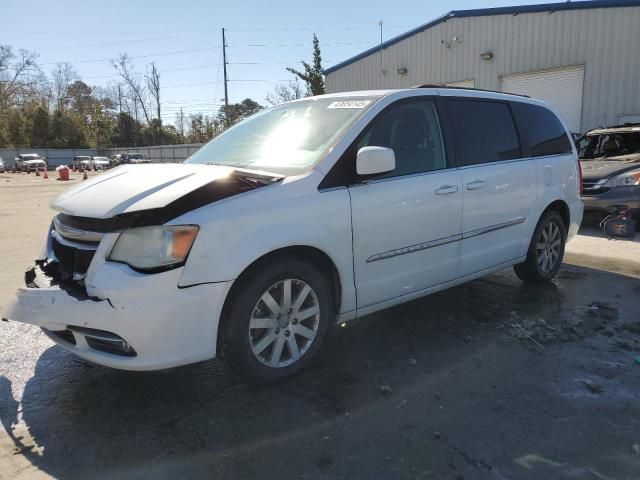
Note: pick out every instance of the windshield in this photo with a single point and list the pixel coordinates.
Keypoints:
(288, 139)
(30, 157)
(608, 145)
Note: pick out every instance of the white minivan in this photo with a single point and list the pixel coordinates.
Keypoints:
(312, 212)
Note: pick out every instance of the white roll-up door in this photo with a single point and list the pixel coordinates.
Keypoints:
(561, 88)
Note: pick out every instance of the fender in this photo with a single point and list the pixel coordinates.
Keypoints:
(236, 233)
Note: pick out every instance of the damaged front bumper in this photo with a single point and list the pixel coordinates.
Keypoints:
(123, 319)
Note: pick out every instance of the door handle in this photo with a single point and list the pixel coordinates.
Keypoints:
(447, 189)
(476, 184)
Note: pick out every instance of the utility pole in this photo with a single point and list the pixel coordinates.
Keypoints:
(224, 66)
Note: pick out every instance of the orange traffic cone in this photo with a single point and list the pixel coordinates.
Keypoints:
(84, 175)
(46, 174)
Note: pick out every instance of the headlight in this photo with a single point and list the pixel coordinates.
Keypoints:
(154, 248)
(624, 179)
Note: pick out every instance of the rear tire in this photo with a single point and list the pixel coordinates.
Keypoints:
(546, 250)
(276, 319)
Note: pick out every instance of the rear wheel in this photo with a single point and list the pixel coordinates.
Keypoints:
(276, 320)
(546, 250)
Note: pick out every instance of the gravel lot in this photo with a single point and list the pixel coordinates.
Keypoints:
(489, 380)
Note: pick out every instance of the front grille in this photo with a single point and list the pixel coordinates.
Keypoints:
(73, 260)
(589, 188)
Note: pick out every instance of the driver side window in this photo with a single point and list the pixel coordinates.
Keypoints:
(412, 131)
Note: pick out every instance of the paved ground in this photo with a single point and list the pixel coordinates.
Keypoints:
(490, 380)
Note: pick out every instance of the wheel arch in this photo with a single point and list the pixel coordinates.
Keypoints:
(562, 208)
(314, 255)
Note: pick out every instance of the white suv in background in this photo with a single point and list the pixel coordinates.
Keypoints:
(312, 212)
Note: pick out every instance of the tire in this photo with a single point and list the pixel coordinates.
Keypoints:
(251, 351)
(535, 268)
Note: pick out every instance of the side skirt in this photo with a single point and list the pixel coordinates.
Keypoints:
(361, 312)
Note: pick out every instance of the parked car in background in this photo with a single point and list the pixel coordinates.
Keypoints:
(99, 163)
(610, 159)
(81, 161)
(30, 162)
(311, 212)
(1, 166)
(115, 160)
(134, 158)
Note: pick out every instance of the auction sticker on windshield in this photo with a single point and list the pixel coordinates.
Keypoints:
(350, 104)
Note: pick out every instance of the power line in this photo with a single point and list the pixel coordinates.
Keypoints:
(210, 29)
(303, 44)
(105, 44)
(159, 54)
(230, 80)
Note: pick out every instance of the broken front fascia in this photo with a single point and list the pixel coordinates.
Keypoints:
(161, 322)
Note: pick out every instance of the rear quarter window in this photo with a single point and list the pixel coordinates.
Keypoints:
(543, 130)
(483, 131)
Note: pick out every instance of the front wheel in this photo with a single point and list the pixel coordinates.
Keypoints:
(276, 320)
(546, 250)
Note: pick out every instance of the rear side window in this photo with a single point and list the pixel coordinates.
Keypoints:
(483, 132)
(542, 128)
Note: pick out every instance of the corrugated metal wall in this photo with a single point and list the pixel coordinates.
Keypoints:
(605, 40)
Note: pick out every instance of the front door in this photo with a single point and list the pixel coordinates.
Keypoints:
(406, 223)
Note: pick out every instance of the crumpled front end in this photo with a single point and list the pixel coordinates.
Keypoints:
(109, 314)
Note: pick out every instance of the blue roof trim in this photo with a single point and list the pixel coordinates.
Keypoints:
(480, 12)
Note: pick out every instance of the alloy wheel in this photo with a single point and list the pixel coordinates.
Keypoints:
(284, 323)
(548, 247)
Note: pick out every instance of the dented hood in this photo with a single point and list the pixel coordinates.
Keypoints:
(153, 187)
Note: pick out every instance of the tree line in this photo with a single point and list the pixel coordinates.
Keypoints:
(60, 110)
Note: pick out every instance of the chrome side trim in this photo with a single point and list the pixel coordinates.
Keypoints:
(76, 234)
(444, 241)
(493, 228)
(414, 248)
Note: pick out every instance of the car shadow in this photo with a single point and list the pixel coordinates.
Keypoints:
(84, 420)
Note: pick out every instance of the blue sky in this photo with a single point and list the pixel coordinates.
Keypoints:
(264, 37)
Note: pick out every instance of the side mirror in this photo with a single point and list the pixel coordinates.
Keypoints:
(374, 160)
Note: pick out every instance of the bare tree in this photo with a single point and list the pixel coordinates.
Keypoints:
(19, 75)
(153, 84)
(124, 68)
(63, 76)
(180, 122)
(285, 92)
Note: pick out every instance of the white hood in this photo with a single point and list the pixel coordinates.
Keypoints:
(131, 188)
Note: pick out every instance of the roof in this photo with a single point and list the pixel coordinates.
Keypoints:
(483, 12)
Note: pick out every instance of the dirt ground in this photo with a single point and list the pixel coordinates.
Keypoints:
(489, 380)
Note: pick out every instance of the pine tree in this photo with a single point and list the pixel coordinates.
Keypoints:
(312, 74)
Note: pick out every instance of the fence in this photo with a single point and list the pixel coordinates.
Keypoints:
(63, 156)
(55, 156)
(158, 154)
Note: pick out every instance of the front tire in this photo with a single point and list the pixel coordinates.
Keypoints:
(546, 250)
(276, 319)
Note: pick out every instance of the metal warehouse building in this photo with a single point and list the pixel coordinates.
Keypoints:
(582, 57)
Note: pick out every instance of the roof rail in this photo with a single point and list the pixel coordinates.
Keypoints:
(442, 85)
